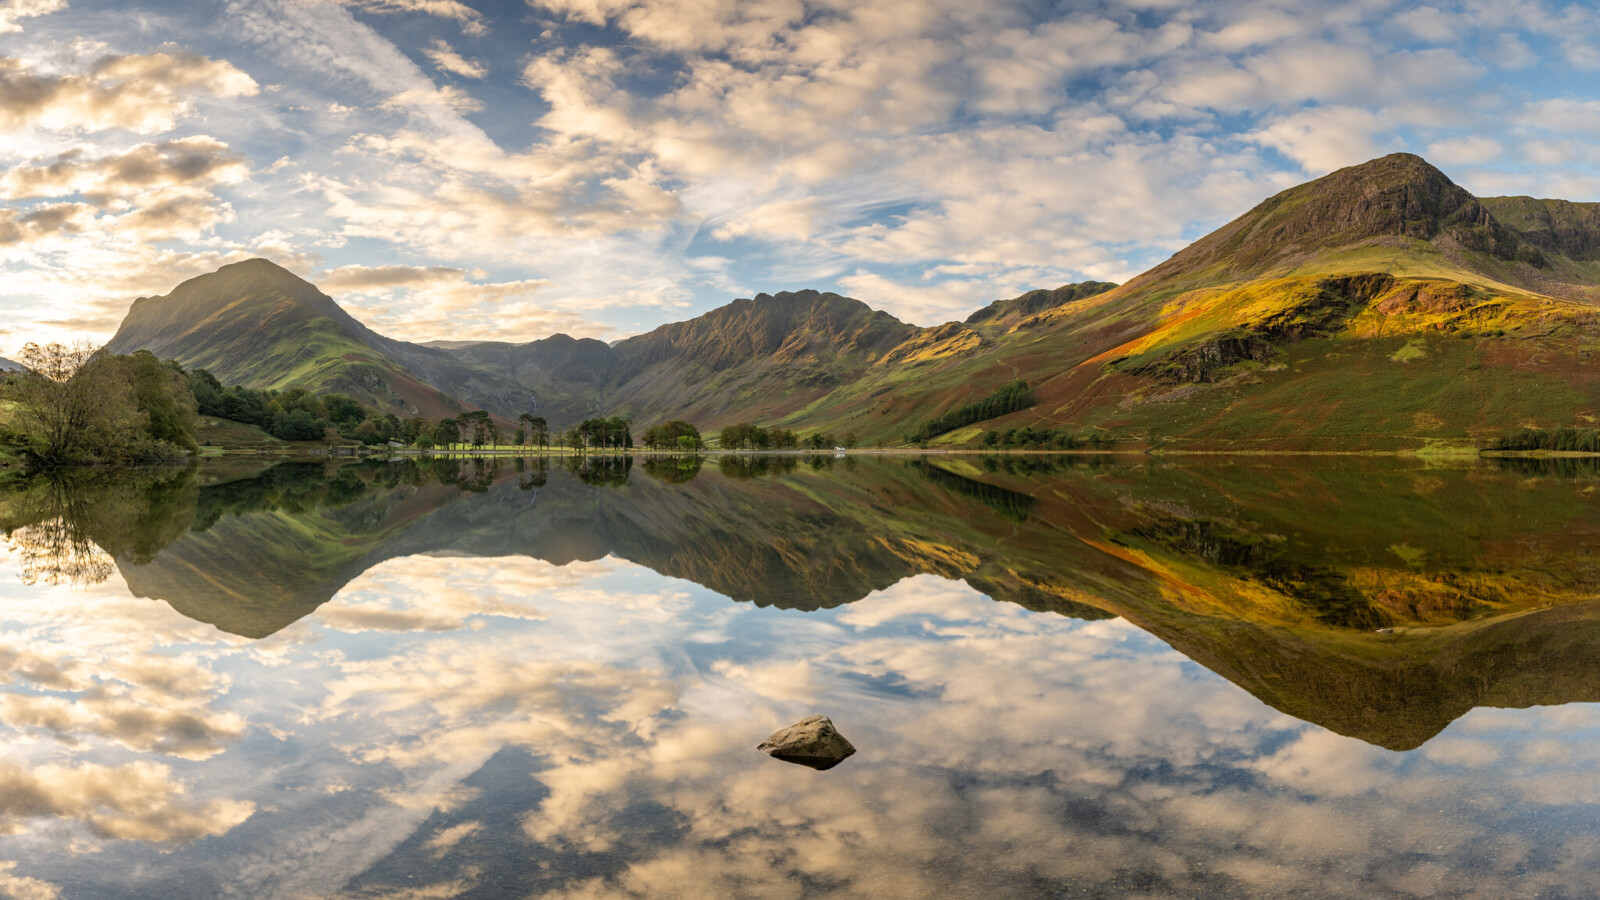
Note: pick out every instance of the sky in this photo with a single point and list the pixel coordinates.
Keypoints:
(467, 169)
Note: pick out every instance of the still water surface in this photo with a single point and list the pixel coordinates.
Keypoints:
(1064, 678)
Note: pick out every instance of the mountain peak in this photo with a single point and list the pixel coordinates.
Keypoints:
(248, 277)
(1399, 198)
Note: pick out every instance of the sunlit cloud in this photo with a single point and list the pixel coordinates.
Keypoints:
(145, 94)
(446, 59)
(12, 11)
(471, 21)
(933, 155)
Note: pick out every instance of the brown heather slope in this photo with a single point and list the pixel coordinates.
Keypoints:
(754, 359)
(1381, 307)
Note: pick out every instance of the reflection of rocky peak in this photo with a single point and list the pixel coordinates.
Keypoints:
(252, 555)
(1398, 691)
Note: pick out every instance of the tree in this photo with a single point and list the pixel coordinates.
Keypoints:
(745, 436)
(72, 407)
(161, 393)
(673, 435)
(446, 433)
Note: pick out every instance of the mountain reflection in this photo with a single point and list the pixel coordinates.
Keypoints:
(1380, 599)
(524, 678)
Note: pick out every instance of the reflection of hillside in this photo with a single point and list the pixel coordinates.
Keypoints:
(1274, 577)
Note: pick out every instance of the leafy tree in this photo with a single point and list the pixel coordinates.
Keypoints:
(604, 434)
(161, 393)
(673, 435)
(72, 408)
(1008, 399)
(447, 433)
(297, 425)
(744, 436)
(343, 411)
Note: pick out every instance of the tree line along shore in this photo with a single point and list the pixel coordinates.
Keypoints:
(76, 405)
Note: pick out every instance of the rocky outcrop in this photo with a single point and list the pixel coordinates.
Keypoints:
(812, 741)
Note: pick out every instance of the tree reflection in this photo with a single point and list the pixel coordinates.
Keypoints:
(54, 552)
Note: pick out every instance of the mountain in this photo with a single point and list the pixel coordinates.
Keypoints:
(763, 359)
(258, 324)
(1343, 591)
(1032, 303)
(1380, 307)
(7, 365)
(561, 378)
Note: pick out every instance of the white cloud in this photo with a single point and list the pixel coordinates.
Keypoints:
(1469, 150)
(195, 162)
(13, 10)
(21, 887)
(144, 94)
(1324, 138)
(446, 59)
(472, 21)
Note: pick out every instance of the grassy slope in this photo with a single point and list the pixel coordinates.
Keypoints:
(256, 324)
(754, 360)
(1451, 345)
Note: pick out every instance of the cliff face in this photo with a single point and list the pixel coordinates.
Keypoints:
(1559, 226)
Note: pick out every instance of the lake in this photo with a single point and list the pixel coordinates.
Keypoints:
(1064, 676)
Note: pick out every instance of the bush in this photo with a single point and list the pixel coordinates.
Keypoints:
(1008, 399)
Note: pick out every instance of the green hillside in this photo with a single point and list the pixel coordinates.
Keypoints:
(1381, 307)
(256, 324)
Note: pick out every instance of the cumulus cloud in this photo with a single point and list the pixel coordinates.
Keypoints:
(43, 222)
(198, 161)
(1324, 138)
(13, 10)
(21, 887)
(442, 302)
(446, 59)
(1465, 151)
(144, 94)
(803, 140)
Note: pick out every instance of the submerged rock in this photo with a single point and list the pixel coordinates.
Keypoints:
(810, 742)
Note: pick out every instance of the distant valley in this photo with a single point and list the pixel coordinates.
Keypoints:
(1381, 307)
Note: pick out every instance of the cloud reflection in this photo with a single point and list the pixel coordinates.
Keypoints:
(447, 724)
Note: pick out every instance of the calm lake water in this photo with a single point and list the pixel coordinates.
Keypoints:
(1064, 677)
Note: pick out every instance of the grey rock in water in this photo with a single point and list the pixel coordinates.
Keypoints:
(810, 742)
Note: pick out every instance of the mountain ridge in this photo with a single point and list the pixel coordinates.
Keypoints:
(1219, 347)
